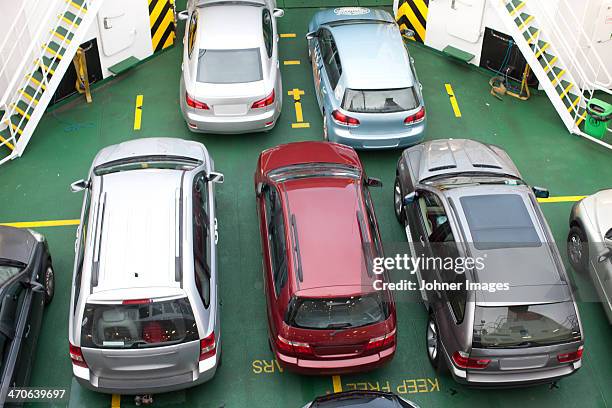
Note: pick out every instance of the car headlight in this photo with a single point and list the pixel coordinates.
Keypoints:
(37, 236)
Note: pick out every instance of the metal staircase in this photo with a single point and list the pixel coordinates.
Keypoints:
(566, 70)
(40, 69)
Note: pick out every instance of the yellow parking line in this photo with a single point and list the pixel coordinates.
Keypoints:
(116, 401)
(39, 224)
(288, 35)
(299, 115)
(301, 125)
(337, 383)
(563, 199)
(138, 112)
(291, 62)
(453, 100)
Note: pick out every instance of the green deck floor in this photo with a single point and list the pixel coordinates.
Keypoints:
(36, 187)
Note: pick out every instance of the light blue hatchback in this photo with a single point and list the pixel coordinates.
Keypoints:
(365, 80)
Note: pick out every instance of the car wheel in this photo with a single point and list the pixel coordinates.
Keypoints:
(578, 249)
(433, 346)
(49, 282)
(397, 202)
(325, 131)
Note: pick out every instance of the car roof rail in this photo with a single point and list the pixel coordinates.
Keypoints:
(101, 211)
(178, 247)
(296, 241)
(365, 243)
(296, 248)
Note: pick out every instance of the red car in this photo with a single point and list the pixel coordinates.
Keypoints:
(319, 237)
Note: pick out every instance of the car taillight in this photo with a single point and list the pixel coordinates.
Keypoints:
(77, 356)
(195, 104)
(571, 357)
(462, 360)
(382, 342)
(416, 118)
(343, 119)
(293, 347)
(267, 101)
(208, 347)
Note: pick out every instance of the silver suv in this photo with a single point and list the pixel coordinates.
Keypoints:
(144, 310)
(510, 318)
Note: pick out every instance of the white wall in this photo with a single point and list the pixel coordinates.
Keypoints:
(442, 23)
(129, 34)
(462, 23)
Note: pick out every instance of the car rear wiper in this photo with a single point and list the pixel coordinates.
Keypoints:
(138, 343)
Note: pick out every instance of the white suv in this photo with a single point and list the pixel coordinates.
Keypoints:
(144, 310)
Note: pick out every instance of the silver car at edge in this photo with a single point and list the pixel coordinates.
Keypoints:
(231, 80)
(460, 200)
(365, 80)
(589, 243)
(144, 308)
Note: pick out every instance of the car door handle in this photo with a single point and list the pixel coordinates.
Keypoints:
(216, 231)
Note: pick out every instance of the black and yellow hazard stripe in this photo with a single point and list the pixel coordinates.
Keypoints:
(412, 14)
(163, 26)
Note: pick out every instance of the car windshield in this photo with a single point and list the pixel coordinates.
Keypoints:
(148, 324)
(380, 101)
(524, 326)
(339, 313)
(229, 66)
(499, 221)
(314, 170)
(149, 162)
(357, 401)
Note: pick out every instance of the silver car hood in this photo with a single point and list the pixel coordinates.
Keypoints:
(599, 210)
(448, 156)
(603, 211)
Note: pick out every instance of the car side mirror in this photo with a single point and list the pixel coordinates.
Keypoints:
(410, 198)
(406, 32)
(278, 13)
(311, 35)
(215, 177)
(79, 186)
(540, 192)
(605, 256)
(35, 286)
(259, 189)
(608, 239)
(373, 182)
(183, 15)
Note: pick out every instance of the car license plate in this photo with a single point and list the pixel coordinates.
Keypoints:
(230, 110)
(521, 363)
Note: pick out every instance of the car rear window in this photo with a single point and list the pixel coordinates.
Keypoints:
(338, 313)
(229, 66)
(524, 326)
(138, 325)
(499, 221)
(380, 101)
